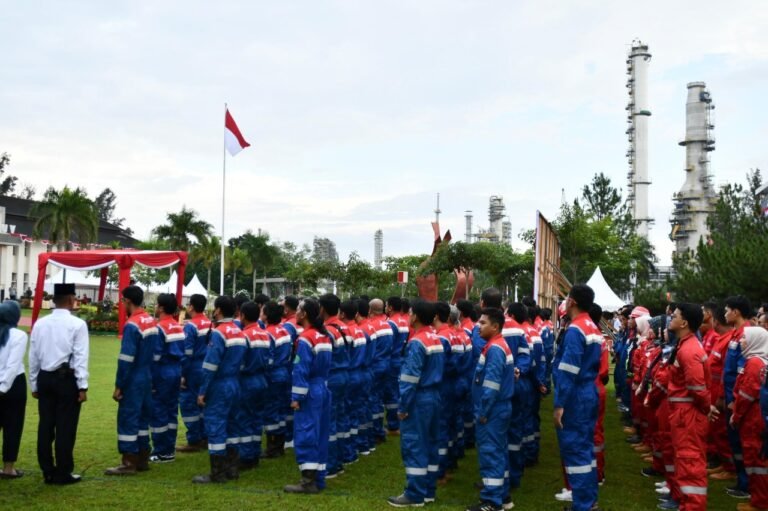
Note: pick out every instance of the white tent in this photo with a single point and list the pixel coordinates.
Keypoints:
(194, 287)
(604, 295)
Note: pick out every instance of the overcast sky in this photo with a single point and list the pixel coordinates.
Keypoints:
(358, 113)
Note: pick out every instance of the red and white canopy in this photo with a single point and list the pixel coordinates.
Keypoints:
(102, 259)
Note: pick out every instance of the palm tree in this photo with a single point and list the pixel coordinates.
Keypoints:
(237, 259)
(207, 252)
(261, 253)
(180, 227)
(63, 213)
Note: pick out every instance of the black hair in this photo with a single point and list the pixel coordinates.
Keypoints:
(710, 306)
(363, 307)
(465, 307)
(741, 304)
(718, 313)
(528, 301)
(424, 311)
(134, 294)
(240, 299)
(226, 304)
(491, 297)
(168, 302)
(261, 298)
(476, 312)
(595, 313)
(198, 302)
(495, 316)
(405, 305)
(349, 309)
(583, 295)
(533, 312)
(364, 297)
(273, 312)
(395, 302)
(330, 303)
(546, 313)
(250, 311)
(442, 311)
(692, 313)
(291, 302)
(518, 311)
(607, 315)
(311, 308)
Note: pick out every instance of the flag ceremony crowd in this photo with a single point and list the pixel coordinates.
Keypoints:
(331, 379)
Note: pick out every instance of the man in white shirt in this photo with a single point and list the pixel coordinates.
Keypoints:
(58, 378)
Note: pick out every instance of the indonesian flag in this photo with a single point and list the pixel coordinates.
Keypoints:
(233, 139)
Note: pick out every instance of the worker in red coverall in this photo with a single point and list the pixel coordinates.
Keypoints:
(718, 435)
(689, 404)
(747, 418)
(603, 376)
(639, 367)
(657, 400)
(708, 333)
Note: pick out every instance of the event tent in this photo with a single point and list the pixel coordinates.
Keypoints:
(193, 288)
(83, 260)
(604, 295)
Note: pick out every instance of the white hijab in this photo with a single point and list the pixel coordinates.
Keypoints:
(643, 325)
(755, 343)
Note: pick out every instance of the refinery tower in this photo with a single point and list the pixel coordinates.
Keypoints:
(638, 114)
(695, 200)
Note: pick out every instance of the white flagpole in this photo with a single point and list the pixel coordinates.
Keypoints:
(223, 195)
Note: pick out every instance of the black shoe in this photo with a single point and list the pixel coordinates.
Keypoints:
(736, 493)
(403, 501)
(69, 479)
(248, 464)
(485, 506)
(162, 458)
(650, 472)
(634, 439)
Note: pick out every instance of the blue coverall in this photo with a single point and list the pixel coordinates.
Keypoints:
(338, 382)
(537, 376)
(514, 335)
(253, 392)
(420, 378)
(311, 368)
(391, 394)
(381, 364)
(492, 391)
(134, 379)
(734, 364)
(196, 332)
(279, 380)
(221, 386)
(356, 397)
(166, 379)
(576, 393)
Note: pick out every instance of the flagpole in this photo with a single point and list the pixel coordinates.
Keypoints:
(223, 195)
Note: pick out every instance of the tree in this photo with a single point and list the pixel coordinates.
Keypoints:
(181, 227)
(106, 202)
(601, 198)
(7, 183)
(261, 253)
(358, 277)
(732, 261)
(237, 260)
(208, 253)
(64, 213)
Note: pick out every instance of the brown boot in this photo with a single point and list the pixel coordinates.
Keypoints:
(143, 461)
(306, 485)
(127, 466)
(193, 447)
(218, 471)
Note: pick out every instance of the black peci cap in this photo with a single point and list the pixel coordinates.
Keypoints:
(63, 289)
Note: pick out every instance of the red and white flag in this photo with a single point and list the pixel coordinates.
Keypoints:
(233, 139)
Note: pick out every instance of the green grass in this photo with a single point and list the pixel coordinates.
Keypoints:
(364, 486)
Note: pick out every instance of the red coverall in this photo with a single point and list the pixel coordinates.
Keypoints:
(689, 402)
(657, 400)
(718, 435)
(708, 340)
(603, 376)
(639, 366)
(749, 421)
(649, 414)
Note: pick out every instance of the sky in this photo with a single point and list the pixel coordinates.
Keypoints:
(359, 113)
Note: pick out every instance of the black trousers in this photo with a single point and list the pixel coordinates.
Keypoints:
(59, 413)
(12, 408)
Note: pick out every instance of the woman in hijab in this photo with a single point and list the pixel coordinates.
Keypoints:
(13, 386)
(747, 417)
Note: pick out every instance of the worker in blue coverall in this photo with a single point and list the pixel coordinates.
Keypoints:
(220, 391)
(516, 339)
(399, 336)
(356, 397)
(311, 399)
(537, 376)
(253, 382)
(290, 304)
(166, 380)
(492, 391)
(444, 332)
(133, 385)
(380, 366)
(419, 408)
(196, 330)
(576, 399)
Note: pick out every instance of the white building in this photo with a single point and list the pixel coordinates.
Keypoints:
(19, 251)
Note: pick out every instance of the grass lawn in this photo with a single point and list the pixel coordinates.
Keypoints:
(364, 486)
